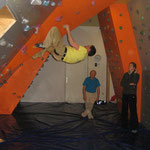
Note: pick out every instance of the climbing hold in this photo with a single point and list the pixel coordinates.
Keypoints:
(112, 30)
(3, 57)
(24, 20)
(108, 12)
(108, 19)
(9, 71)
(35, 2)
(142, 32)
(36, 28)
(23, 50)
(145, 67)
(58, 19)
(141, 18)
(10, 45)
(21, 65)
(117, 56)
(105, 14)
(53, 4)
(45, 3)
(93, 2)
(42, 58)
(141, 40)
(4, 81)
(2, 66)
(147, 7)
(2, 42)
(120, 41)
(120, 27)
(26, 28)
(110, 50)
(147, 53)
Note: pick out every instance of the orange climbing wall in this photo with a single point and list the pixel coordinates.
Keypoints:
(72, 12)
(112, 49)
(120, 45)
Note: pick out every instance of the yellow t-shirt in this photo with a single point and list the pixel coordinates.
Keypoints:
(74, 56)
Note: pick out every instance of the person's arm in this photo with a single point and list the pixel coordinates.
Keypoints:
(136, 79)
(70, 38)
(124, 82)
(84, 93)
(98, 93)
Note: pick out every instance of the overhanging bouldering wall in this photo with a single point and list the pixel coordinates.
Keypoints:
(139, 13)
(28, 21)
(73, 13)
(120, 45)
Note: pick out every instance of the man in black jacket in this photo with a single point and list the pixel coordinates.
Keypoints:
(129, 84)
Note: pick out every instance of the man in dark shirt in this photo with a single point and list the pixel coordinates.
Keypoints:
(129, 84)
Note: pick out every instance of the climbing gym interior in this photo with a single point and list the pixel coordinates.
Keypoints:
(41, 100)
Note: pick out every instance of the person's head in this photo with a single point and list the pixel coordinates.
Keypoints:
(92, 74)
(132, 66)
(91, 50)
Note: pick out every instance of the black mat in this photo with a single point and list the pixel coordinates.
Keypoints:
(58, 126)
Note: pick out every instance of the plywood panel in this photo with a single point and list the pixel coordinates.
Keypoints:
(6, 20)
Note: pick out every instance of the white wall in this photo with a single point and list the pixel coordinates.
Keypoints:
(96, 39)
(49, 85)
(59, 82)
(76, 73)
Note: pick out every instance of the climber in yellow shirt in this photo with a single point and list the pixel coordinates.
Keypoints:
(54, 44)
